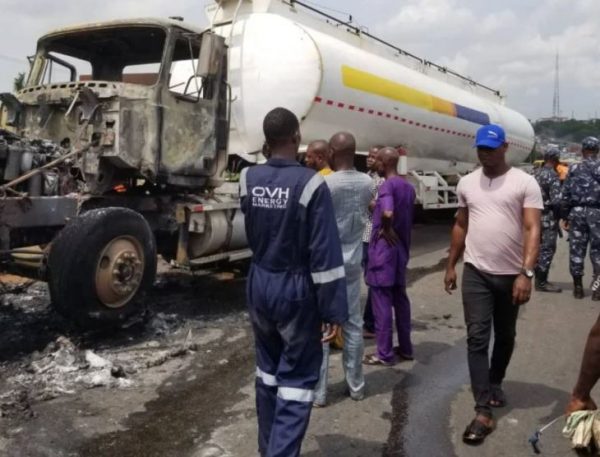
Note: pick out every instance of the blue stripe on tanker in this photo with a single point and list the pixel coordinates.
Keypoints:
(471, 115)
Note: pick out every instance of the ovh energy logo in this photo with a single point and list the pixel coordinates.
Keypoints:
(270, 198)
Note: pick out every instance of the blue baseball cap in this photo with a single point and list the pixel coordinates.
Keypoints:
(490, 136)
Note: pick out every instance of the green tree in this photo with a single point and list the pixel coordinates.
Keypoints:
(569, 130)
(19, 82)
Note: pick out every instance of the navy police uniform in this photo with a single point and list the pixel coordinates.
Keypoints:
(296, 282)
(581, 198)
(549, 183)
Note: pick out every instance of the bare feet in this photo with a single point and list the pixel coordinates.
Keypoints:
(577, 404)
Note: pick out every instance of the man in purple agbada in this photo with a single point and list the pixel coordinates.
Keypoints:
(388, 257)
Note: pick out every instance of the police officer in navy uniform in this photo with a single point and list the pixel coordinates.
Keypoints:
(549, 183)
(296, 282)
(581, 210)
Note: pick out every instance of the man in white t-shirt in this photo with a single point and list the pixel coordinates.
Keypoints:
(498, 228)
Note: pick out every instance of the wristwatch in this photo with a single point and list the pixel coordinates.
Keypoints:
(527, 273)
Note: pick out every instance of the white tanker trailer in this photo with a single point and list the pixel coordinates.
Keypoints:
(335, 76)
(123, 132)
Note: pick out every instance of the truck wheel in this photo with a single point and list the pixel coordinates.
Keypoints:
(100, 265)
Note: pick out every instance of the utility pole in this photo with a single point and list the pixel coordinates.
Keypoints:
(556, 101)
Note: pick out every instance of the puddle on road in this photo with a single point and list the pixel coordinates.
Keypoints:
(421, 401)
(421, 405)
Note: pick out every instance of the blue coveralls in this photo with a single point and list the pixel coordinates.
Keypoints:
(296, 282)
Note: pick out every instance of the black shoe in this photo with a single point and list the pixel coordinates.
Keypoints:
(476, 432)
(577, 287)
(542, 284)
(548, 287)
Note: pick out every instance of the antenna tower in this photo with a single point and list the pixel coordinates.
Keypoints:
(556, 101)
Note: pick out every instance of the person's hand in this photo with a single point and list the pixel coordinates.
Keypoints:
(450, 280)
(389, 236)
(329, 331)
(372, 205)
(564, 224)
(521, 290)
(577, 404)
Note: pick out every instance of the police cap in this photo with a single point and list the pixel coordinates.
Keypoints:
(590, 143)
(552, 154)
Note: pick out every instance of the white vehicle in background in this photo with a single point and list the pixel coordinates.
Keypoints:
(125, 131)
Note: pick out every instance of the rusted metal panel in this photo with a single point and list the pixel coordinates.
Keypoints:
(37, 212)
(188, 136)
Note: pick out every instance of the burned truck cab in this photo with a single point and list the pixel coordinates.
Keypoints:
(112, 88)
(117, 143)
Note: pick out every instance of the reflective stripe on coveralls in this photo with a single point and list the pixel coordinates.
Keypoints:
(266, 378)
(294, 394)
(323, 277)
(310, 188)
(285, 393)
(243, 186)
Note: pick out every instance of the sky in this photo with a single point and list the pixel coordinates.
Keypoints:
(509, 45)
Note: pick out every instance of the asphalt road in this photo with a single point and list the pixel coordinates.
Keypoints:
(421, 408)
(203, 405)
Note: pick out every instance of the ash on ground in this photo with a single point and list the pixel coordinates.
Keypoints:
(42, 357)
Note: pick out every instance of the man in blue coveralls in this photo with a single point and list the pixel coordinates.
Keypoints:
(296, 282)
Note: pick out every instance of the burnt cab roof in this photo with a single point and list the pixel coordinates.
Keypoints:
(129, 38)
(135, 22)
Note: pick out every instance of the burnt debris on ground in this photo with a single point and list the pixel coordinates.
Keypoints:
(42, 356)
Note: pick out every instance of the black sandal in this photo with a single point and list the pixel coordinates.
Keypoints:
(401, 355)
(498, 399)
(476, 432)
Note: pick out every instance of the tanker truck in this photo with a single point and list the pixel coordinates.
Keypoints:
(127, 137)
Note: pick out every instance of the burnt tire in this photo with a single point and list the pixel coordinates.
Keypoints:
(100, 266)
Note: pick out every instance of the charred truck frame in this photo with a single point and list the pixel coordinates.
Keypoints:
(112, 160)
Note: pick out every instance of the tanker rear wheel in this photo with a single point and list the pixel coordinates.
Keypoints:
(100, 266)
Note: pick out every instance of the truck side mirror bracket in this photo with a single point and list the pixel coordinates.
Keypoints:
(210, 58)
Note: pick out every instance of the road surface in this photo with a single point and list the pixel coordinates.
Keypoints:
(200, 403)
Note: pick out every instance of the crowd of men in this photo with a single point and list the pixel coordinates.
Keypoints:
(306, 226)
(317, 231)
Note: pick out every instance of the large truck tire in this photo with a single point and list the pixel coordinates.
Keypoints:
(100, 266)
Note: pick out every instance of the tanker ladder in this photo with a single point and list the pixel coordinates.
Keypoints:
(433, 190)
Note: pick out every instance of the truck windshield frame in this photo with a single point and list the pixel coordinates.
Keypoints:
(192, 88)
(107, 50)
